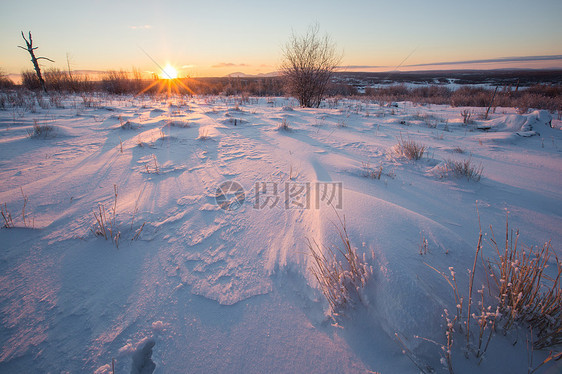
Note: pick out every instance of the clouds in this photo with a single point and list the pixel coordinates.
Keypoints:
(355, 67)
(229, 65)
(521, 60)
(495, 60)
(142, 27)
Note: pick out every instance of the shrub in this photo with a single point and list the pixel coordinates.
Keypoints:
(309, 62)
(5, 82)
(29, 80)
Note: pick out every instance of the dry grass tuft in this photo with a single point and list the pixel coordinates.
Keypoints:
(204, 134)
(409, 149)
(41, 131)
(525, 293)
(521, 295)
(461, 169)
(180, 124)
(370, 172)
(6, 216)
(458, 150)
(127, 125)
(340, 281)
(284, 126)
(105, 225)
(466, 117)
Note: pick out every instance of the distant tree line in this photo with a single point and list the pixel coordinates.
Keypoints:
(539, 96)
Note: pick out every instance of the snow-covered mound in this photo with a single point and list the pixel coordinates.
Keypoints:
(523, 125)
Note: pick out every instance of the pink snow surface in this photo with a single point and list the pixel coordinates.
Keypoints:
(195, 288)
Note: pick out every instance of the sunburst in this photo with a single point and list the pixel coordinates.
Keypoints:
(168, 82)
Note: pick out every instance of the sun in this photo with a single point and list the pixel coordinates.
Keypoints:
(169, 72)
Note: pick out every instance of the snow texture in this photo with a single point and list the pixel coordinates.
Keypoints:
(196, 288)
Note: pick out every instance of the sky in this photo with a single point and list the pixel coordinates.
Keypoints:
(216, 38)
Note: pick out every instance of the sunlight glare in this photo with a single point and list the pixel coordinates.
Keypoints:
(169, 72)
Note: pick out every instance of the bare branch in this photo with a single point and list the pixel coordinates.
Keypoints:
(44, 58)
(34, 59)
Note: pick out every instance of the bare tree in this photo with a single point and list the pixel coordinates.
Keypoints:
(30, 48)
(309, 62)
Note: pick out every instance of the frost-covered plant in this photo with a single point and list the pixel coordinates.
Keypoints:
(525, 293)
(341, 281)
(523, 296)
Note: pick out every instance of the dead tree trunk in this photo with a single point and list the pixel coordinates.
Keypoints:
(30, 48)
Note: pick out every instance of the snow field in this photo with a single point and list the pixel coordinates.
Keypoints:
(204, 289)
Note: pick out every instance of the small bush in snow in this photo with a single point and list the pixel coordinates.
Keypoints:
(284, 126)
(340, 281)
(41, 131)
(372, 173)
(462, 169)
(409, 149)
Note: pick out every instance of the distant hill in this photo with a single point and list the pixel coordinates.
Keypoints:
(244, 75)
